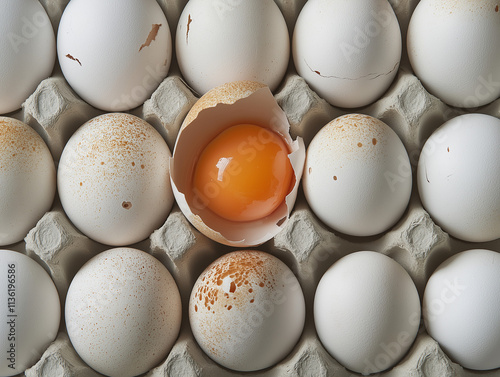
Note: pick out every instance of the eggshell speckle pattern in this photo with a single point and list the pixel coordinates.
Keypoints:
(28, 48)
(123, 312)
(28, 179)
(113, 179)
(247, 310)
(461, 305)
(458, 177)
(357, 175)
(30, 312)
(367, 311)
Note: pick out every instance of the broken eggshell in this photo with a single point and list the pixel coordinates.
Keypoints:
(222, 107)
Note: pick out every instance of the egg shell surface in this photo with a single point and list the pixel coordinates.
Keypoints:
(113, 179)
(457, 63)
(123, 312)
(114, 53)
(28, 179)
(461, 305)
(220, 42)
(28, 51)
(348, 51)
(367, 311)
(247, 310)
(30, 311)
(357, 175)
(458, 177)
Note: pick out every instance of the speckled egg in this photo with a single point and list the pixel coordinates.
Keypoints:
(123, 312)
(27, 179)
(357, 177)
(113, 179)
(247, 310)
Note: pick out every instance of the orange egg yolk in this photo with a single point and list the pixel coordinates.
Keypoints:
(243, 174)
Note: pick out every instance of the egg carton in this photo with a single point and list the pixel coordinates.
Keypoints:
(305, 244)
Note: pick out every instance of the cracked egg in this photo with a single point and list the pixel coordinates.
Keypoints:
(235, 169)
(347, 51)
(114, 53)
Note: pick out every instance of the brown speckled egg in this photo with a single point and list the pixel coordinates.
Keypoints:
(113, 179)
(247, 310)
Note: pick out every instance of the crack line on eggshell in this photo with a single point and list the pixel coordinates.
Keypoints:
(151, 36)
(375, 75)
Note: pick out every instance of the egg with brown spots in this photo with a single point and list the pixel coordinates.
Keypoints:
(113, 179)
(28, 179)
(247, 310)
(358, 177)
(123, 312)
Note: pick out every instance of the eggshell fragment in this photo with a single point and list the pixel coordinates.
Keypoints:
(113, 179)
(231, 104)
(28, 179)
(123, 312)
(247, 310)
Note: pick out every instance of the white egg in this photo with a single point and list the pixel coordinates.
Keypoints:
(28, 47)
(218, 42)
(113, 179)
(461, 305)
(367, 312)
(348, 51)
(114, 53)
(28, 179)
(357, 176)
(454, 50)
(247, 310)
(458, 177)
(30, 310)
(123, 312)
